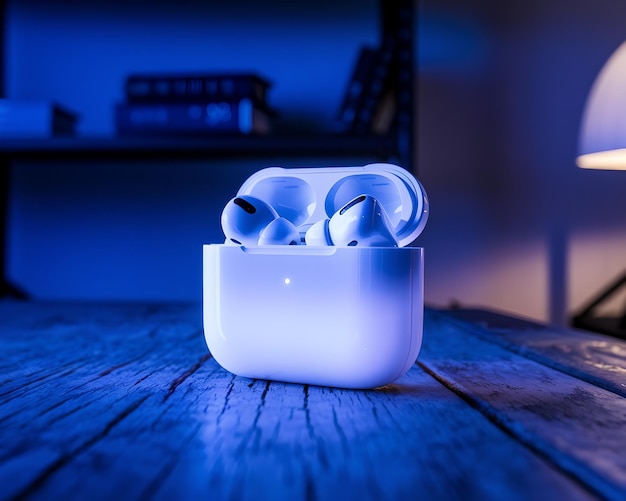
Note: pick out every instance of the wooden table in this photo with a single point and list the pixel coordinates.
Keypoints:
(123, 401)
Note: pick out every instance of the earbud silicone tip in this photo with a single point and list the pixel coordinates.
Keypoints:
(318, 234)
(280, 231)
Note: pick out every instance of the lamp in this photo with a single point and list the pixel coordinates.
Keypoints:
(603, 131)
(603, 146)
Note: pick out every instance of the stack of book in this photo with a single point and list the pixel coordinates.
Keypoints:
(378, 93)
(369, 103)
(194, 104)
(35, 119)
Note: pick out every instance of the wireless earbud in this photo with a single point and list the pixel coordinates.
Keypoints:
(244, 218)
(250, 221)
(362, 221)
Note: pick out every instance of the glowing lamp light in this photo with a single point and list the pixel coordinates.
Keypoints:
(603, 146)
(603, 130)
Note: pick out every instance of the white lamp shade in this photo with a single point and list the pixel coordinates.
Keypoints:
(603, 131)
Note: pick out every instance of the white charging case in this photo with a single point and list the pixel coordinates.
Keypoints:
(349, 317)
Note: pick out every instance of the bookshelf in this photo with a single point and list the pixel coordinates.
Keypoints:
(395, 146)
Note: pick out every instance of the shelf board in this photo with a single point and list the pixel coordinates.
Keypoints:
(200, 147)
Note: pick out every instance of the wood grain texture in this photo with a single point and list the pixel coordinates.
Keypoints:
(576, 425)
(106, 401)
(596, 358)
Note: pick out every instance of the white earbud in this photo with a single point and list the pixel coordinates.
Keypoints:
(244, 218)
(280, 231)
(249, 221)
(363, 222)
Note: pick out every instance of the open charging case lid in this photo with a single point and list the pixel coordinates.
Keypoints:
(307, 195)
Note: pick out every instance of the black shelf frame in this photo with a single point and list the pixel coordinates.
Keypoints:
(133, 147)
(397, 145)
(588, 319)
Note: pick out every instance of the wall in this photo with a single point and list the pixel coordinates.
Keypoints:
(133, 231)
(514, 224)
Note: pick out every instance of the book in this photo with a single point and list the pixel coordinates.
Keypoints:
(26, 118)
(360, 76)
(376, 109)
(195, 87)
(236, 117)
(398, 25)
(384, 77)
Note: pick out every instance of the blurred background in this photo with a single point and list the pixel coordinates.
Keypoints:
(500, 90)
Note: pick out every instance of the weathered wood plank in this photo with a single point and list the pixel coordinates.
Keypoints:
(75, 374)
(100, 401)
(319, 443)
(596, 358)
(576, 425)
